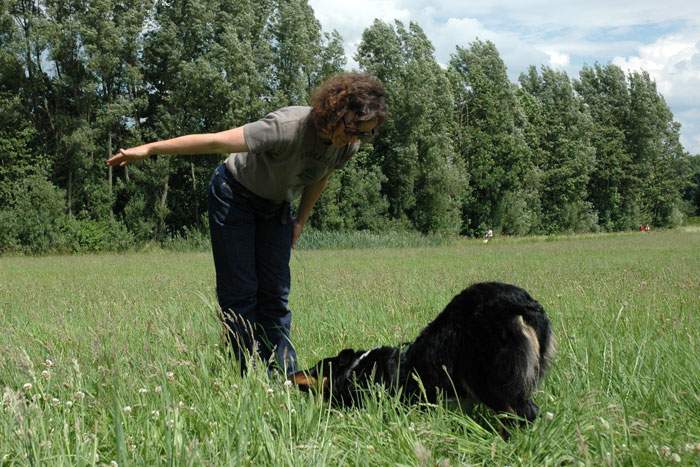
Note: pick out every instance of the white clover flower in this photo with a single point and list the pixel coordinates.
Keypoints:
(288, 383)
(69, 404)
(158, 389)
(155, 413)
(27, 386)
(143, 391)
(55, 401)
(549, 416)
(270, 391)
(46, 374)
(170, 375)
(170, 423)
(127, 410)
(79, 395)
(48, 363)
(675, 458)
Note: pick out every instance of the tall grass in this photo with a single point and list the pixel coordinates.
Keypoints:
(117, 357)
(196, 240)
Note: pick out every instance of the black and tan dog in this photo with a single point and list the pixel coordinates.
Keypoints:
(491, 344)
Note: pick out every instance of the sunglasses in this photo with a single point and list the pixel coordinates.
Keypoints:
(350, 131)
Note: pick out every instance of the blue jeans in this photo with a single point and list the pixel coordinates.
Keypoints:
(251, 239)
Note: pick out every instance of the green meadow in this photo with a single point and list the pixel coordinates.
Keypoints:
(117, 358)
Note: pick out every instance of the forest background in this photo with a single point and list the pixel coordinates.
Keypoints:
(465, 149)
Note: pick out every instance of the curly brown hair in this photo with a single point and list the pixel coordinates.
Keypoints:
(360, 93)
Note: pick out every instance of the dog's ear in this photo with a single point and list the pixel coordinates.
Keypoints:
(345, 357)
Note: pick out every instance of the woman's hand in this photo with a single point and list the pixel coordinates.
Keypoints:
(296, 232)
(124, 156)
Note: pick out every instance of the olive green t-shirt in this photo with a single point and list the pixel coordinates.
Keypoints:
(285, 154)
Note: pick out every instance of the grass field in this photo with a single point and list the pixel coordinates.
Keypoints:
(116, 358)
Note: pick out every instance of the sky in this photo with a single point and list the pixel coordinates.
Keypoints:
(662, 38)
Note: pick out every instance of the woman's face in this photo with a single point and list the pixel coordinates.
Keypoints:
(347, 131)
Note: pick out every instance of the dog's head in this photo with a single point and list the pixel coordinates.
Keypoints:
(322, 374)
(333, 377)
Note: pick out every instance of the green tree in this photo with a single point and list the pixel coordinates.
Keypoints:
(425, 180)
(111, 36)
(566, 156)
(18, 158)
(491, 141)
(692, 192)
(353, 200)
(659, 162)
(613, 188)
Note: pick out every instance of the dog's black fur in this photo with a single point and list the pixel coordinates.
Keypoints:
(491, 344)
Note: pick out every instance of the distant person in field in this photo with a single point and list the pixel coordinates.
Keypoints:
(291, 152)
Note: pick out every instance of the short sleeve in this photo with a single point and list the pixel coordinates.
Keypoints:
(269, 134)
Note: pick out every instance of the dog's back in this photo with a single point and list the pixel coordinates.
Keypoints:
(492, 343)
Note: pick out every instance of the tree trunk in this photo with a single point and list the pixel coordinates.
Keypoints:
(109, 154)
(164, 197)
(162, 208)
(194, 193)
(70, 193)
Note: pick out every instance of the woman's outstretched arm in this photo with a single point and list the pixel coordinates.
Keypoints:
(208, 143)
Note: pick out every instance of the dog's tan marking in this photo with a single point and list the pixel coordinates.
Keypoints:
(303, 379)
(530, 334)
(533, 354)
(551, 350)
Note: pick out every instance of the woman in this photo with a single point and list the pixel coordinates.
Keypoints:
(292, 151)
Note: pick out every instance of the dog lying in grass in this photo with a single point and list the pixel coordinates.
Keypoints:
(492, 344)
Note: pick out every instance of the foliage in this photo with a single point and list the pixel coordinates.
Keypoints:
(491, 144)
(565, 154)
(692, 192)
(33, 216)
(425, 181)
(464, 149)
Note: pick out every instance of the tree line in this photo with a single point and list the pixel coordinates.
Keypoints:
(464, 149)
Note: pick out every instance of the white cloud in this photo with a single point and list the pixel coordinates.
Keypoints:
(663, 39)
(690, 131)
(582, 14)
(674, 63)
(557, 59)
(351, 18)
